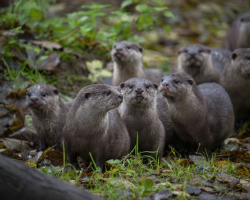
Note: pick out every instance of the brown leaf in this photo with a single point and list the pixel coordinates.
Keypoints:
(48, 44)
(14, 144)
(26, 133)
(50, 63)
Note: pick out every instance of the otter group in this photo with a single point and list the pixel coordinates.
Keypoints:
(195, 106)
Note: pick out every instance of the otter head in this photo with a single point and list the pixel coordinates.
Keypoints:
(42, 98)
(139, 91)
(99, 97)
(245, 20)
(240, 60)
(193, 56)
(125, 52)
(176, 86)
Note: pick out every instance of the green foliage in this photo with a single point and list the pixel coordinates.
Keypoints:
(90, 31)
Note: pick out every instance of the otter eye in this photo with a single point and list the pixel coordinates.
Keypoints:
(162, 80)
(128, 47)
(108, 92)
(176, 81)
(147, 86)
(201, 50)
(28, 94)
(185, 51)
(131, 86)
(44, 94)
(114, 46)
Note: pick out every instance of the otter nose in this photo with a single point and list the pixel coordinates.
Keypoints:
(118, 49)
(139, 91)
(120, 96)
(34, 99)
(192, 54)
(165, 84)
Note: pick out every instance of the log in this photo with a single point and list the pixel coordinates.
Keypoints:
(20, 182)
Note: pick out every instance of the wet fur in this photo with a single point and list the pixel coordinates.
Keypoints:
(49, 119)
(130, 64)
(202, 115)
(238, 35)
(236, 81)
(142, 117)
(94, 125)
(200, 66)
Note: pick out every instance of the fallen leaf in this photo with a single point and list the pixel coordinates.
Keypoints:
(14, 144)
(48, 44)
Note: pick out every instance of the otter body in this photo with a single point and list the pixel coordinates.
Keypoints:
(236, 81)
(202, 115)
(48, 114)
(202, 63)
(238, 35)
(94, 126)
(139, 112)
(127, 58)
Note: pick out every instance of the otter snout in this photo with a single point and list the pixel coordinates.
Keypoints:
(119, 49)
(139, 91)
(165, 89)
(34, 99)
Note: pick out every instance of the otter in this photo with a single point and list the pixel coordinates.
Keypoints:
(139, 112)
(94, 126)
(202, 63)
(236, 81)
(202, 115)
(127, 58)
(48, 114)
(238, 35)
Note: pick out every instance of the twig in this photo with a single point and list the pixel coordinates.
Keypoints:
(70, 33)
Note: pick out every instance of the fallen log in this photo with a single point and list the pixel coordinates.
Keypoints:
(20, 182)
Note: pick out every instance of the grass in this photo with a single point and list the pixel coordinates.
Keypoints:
(130, 178)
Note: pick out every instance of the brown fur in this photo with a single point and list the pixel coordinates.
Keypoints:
(196, 60)
(127, 58)
(48, 114)
(236, 81)
(94, 126)
(139, 112)
(202, 115)
(238, 35)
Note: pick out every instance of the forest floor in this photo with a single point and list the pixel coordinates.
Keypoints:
(224, 175)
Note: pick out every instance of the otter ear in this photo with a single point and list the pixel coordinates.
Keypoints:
(122, 85)
(190, 82)
(56, 91)
(156, 86)
(234, 55)
(87, 95)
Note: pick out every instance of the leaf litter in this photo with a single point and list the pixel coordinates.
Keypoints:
(225, 176)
